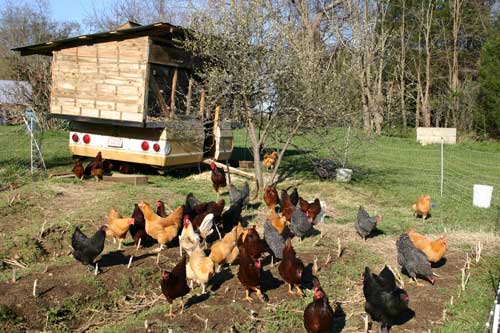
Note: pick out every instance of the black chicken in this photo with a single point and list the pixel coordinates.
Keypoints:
(85, 249)
(294, 196)
(365, 224)
(318, 315)
(385, 302)
(138, 229)
(231, 217)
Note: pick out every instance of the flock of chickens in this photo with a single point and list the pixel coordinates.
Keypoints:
(210, 237)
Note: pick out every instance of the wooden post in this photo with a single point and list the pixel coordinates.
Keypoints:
(172, 95)
(202, 103)
(188, 97)
(216, 119)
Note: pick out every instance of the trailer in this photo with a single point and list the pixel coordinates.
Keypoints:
(133, 95)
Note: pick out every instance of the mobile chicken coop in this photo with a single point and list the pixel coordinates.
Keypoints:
(132, 95)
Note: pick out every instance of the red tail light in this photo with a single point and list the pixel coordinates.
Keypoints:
(74, 137)
(145, 145)
(86, 139)
(156, 147)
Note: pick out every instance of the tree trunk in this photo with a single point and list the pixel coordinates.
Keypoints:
(402, 61)
(426, 112)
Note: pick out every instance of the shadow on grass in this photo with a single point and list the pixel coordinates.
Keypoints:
(221, 277)
(439, 264)
(116, 258)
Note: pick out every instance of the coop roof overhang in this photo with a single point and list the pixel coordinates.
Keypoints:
(161, 30)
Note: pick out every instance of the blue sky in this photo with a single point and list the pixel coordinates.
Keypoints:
(68, 10)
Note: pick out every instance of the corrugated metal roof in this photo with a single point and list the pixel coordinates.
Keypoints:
(161, 28)
(14, 92)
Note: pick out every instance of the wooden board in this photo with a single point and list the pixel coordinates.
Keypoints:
(106, 80)
(233, 170)
(128, 179)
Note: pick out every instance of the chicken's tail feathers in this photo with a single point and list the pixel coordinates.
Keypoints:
(206, 227)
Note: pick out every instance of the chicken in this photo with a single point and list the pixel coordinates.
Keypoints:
(294, 196)
(273, 230)
(269, 160)
(385, 302)
(218, 178)
(291, 268)
(163, 229)
(271, 197)
(160, 208)
(188, 240)
(318, 315)
(366, 224)
(300, 224)
(287, 208)
(126, 168)
(231, 217)
(413, 260)
(311, 209)
(239, 197)
(190, 237)
(225, 250)
(200, 268)
(78, 169)
(95, 168)
(138, 229)
(253, 243)
(107, 166)
(85, 249)
(250, 274)
(194, 206)
(118, 227)
(434, 250)
(216, 208)
(174, 285)
(423, 206)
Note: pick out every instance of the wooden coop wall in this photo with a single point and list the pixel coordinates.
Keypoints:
(105, 80)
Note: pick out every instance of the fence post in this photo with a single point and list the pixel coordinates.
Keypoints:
(442, 165)
(31, 143)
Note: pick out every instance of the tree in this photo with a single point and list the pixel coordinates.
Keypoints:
(266, 67)
(489, 78)
(24, 25)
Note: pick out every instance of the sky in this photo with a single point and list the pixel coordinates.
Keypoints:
(68, 10)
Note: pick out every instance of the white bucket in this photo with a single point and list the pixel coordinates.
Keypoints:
(482, 196)
(343, 175)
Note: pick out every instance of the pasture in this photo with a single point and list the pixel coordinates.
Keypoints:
(38, 218)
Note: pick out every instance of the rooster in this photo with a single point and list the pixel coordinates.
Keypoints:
(189, 239)
(218, 178)
(95, 168)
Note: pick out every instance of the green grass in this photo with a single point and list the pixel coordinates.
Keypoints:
(469, 312)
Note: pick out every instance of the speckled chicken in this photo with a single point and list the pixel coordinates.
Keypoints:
(300, 225)
(365, 224)
(273, 236)
(413, 260)
(239, 197)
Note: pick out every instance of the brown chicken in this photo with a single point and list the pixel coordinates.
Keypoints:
(434, 250)
(78, 169)
(118, 227)
(291, 268)
(225, 250)
(423, 206)
(271, 197)
(269, 160)
(253, 244)
(218, 178)
(287, 208)
(160, 208)
(318, 315)
(163, 229)
(174, 285)
(311, 209)
(95, 168)
(250, 275)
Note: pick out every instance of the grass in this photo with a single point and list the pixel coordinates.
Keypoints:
(389, 173)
